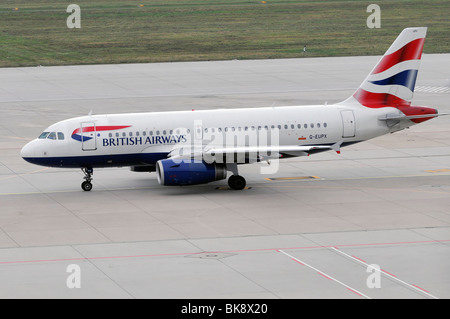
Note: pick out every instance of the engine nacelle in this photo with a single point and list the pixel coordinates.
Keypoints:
(188, 172)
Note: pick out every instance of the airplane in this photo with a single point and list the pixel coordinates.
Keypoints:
(197, 147)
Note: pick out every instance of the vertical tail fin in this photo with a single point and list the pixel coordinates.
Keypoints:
(392, 81)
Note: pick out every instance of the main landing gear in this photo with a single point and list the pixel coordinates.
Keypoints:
(235, 181)
(87, 185)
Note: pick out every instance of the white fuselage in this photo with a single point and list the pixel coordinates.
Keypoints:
(144, 138)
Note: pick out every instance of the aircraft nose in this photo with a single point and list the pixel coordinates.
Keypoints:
(28, 151)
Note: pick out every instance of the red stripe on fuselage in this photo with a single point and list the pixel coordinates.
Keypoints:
(99, 128)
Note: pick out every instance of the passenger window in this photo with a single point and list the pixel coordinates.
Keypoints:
(324, 124)
(52, 136)
(60, 136)
(43, 135)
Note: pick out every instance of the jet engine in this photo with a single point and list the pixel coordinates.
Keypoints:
(188, 172)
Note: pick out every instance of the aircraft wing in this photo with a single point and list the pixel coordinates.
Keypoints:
(248, 153)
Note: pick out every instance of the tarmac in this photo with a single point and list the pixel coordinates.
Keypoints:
(318, 228)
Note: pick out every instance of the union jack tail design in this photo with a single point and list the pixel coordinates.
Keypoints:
(392, 81)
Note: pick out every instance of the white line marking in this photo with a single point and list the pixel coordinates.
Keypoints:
(432, 89)
(387, 274)
(325, 275)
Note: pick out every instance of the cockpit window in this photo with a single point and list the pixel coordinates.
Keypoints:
(52, 136)
(44, 135)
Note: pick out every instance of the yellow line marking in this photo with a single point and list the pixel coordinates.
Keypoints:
(438, 170)
(290, 178)
(228, 188)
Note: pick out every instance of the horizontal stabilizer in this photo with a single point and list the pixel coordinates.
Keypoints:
(410, 117)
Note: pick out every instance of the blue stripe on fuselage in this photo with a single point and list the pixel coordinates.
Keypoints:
(81, 138)
(98, 160)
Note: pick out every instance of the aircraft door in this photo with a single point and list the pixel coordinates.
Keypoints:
(88, 136)
(348, 123)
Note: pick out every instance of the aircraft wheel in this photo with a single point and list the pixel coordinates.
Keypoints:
(86, 186)
(236, 182)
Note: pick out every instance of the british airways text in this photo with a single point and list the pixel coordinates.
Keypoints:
(122, 141)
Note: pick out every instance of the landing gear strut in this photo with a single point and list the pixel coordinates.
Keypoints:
(235, 181)
(87, 185)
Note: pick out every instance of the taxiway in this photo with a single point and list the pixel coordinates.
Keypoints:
(308, 231)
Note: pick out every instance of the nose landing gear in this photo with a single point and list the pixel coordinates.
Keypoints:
(87, 185)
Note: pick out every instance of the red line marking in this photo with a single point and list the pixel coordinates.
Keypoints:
(359, 259)
(323, 275)
(388, 273)
(94, 258)
(297, 261)
(420, 288)
(354, 291)
(224, 251)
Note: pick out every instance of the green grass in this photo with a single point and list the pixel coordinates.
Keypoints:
(115, 31)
